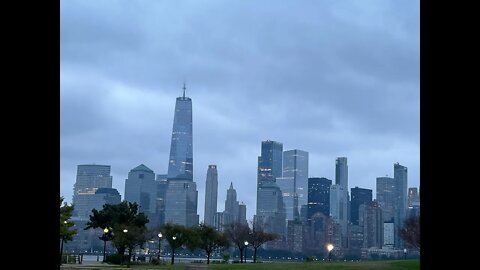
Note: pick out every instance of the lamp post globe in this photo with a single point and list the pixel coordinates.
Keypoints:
(105, 231)
(159, 242)
(330, 247)
(246, 245)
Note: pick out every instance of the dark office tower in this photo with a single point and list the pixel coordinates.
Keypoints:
(242, 213)
(318, 196)
(295, 167)
(372, 225)
(270, 206)
(269, 168)
(359, 196)
(180, 165)
(341, 172)
(140, 187)
(211, 192)
(270, 162)
(89, 179)
(181, 196)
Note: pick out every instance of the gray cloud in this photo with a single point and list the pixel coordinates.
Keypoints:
(334, 78)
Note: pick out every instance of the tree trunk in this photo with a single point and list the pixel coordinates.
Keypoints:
(241, 255)
(129, 256)
(208, 257)
(254, 254)
(61, 252)
(173, 255)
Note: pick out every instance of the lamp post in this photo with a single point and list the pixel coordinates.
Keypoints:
(159, 242)
(105, 232)
(404, 253)
(330, 248)
(246, 246)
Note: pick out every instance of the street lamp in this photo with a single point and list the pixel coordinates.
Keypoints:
(405, 253)
(105, 232)
(159, 242)
(330, 248)
(246, 245)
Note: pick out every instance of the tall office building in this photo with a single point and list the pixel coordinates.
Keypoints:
(289, 196)
(231, 206)
(270, 162)
(359, 196)
(338, 206)
(386, 197)
(339, 196)
(318, 196)
(295, 166)
(270, 206)
(211, 192)
(242, 213)
(392, 198)
(181, 196)
(372, 224)
(89, 179)
(413, 197)
(162, 184)
(140, 187)
(400, 176)
(341, 172)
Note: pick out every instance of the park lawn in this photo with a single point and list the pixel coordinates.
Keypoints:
(363, 265)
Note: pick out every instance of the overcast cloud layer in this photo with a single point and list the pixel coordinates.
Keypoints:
(334, 78)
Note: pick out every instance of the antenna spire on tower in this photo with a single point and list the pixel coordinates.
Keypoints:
(184, 89)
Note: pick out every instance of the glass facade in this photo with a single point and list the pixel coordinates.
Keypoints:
(295, 166)
(318, 196)
(180, 165)
(359, 196)
(211, 193)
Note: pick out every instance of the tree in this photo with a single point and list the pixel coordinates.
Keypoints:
(410, 232)
(127, 225)
(238, 233)
(66, 234)
(176, 236)
(209, 239)
(258, 237)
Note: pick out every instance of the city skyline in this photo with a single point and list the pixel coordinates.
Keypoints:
(341, 80)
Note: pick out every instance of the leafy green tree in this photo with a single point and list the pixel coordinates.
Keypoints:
(127, 225)
(238, 233)
(209, 239)
(66, 234)
(258, 237)
(178, 235)
(410, 232)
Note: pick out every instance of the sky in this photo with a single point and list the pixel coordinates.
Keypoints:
(334, 78)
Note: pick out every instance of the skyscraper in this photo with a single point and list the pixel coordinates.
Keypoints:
(400, 176)
(231, 206)
(341, 172)
(359, 196)
(181, 196)
(89, 179)
(295, 166)
(180, 165)
(386, 197)
(318, 196)
(270, 206)
(140, 187)
(339, 195)
(211, 192)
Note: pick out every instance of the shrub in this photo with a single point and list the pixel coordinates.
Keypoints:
(114, 258)
(310, 259)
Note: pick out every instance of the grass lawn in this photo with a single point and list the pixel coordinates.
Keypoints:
(364, 265)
